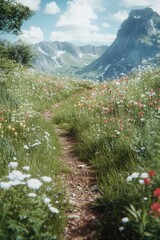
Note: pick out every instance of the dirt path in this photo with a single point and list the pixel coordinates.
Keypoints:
(82, 191)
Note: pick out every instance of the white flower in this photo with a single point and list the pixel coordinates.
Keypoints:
(121, 228)
(32, 195)
(135, 175)
(47, 200)
(26, 147)
(16, 182)
(129, 178)
(14, 158)
(144, 175)
(34, 183)
(26, 168)
(46, 179)
(17, 175)
(12, 164)
(125, 219)
(142, 149)
(141, 181)
(5, 185)
(53, 210)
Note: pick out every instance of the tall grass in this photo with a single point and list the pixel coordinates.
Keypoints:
(116, 124)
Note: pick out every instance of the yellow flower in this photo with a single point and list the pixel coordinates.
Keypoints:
(21, 124)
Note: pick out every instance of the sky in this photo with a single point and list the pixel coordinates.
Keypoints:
(81, 22)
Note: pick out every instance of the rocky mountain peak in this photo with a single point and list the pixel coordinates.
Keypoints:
(138, 38)
(146, 13)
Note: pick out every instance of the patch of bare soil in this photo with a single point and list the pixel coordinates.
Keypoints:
(82, 192)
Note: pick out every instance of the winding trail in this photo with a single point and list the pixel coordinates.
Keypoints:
(80, 184)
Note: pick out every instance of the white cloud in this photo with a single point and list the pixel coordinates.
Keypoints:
(119, 16)
(32, 4)
(52, 8)
(105, 25)
(85, 37)
(78, 23)
(34, 35)
(80, 13)
(155, 4)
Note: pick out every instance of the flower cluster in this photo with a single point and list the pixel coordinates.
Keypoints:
(17, 177)
(143, 178)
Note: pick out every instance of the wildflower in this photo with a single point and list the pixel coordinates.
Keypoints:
(135, 175)
(46, 179)
(47, 200)
(155, 209)
(121, 228)
(156, 193)
(144, 175)
(34, 183)
(53, 210)
(147, 181)
(5, 185)
(14, 158)
(141, 181)
(132, 176)
(15, 133)
(142, 149)
(26, 168)
(141, 114)
(32, 195)
(129, 178)
(26, 147)
(151, 173)
(125, 220)
(17, 182)
(12, 164)
(17, 175)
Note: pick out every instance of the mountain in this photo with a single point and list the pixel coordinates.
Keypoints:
(62, 57)
(138, 39)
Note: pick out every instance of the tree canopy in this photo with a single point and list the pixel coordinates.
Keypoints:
(12, 15)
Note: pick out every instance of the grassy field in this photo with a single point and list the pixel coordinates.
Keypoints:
(116, 125)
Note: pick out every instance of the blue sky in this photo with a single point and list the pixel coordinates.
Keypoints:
(78, 21)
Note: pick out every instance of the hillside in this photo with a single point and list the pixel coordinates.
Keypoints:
(137, 42)
(113, 127)
(64, 57)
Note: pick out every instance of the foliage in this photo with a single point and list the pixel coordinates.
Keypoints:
(19, 52)
(116, 125)
(12, 15)
(28, 140)
(28, 211)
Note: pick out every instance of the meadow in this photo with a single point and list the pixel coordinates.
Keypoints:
(116, 126)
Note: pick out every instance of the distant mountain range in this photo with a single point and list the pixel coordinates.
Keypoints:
(138, 39)
(64, 57)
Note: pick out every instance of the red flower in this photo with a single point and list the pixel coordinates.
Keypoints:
(141, 114)
(156, 193)
(155, 209)
(147, 181)
(151, 173)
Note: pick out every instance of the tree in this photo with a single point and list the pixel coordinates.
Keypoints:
(21, 53)
(12, 15)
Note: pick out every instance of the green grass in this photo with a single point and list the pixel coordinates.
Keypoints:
(116, 125)
(113, 125)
